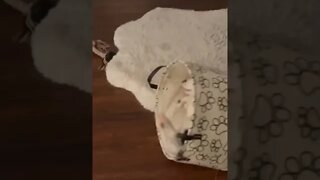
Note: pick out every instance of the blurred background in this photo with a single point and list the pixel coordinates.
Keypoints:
(45, 126)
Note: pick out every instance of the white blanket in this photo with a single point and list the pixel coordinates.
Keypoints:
(162, 36)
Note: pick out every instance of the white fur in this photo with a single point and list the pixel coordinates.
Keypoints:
(61, 47)
(162, 36)
(142, 42)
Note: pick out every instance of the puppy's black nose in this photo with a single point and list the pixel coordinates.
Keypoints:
(109, 56)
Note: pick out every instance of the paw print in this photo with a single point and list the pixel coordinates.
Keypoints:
(204, 82)
(214, 159)
(199, 144)
(217, 159)
(268, 116)
(202, 157)
(222, 103)
(225, 148)
(219, 125)
(206, 101)
(203, 124)
(309, 123)
(219, 83)
(307, 166)
(266, 73)
(304, 74)
(262, 168)
(215, 145)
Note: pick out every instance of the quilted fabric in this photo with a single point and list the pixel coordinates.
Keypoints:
(199, 137)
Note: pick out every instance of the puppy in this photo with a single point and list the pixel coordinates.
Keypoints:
(173, 139)
(174, 130)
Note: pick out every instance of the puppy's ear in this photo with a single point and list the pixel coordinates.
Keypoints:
(104, 51)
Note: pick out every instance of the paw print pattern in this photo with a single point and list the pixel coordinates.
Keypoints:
(217, 159)
(222, 103)
(304, 74)
(206, 101)
(215, 145)
(204, 82)
(202, 124)
(219, 83)
(219, 125)
(262, 168)
(225, 148)
(309, 123)
(198, 144)
(304, 167)
(202, 157)
(265, 73)
(214, 159)
(269, 115)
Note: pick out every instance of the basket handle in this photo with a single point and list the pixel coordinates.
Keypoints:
(151, 75)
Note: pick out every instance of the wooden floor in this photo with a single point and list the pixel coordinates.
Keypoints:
(125, 145)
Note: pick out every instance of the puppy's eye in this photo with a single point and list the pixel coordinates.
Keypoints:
(179, 101)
